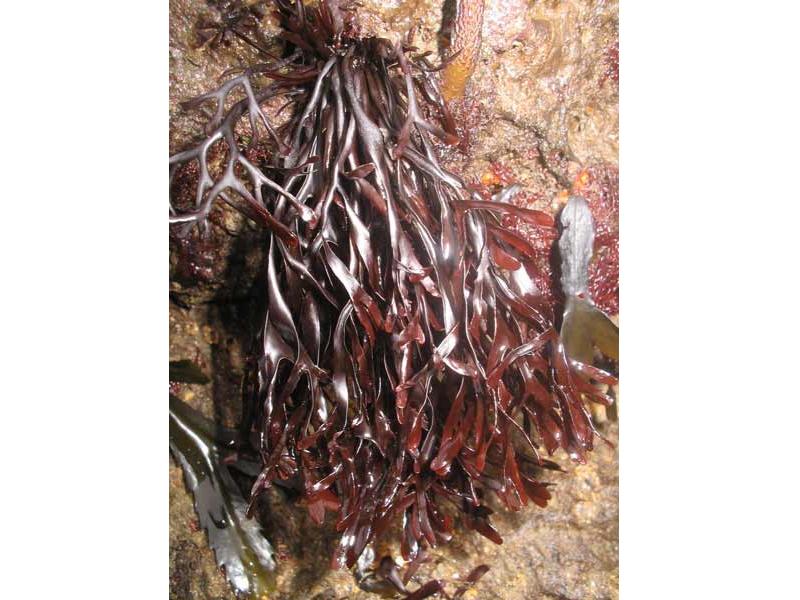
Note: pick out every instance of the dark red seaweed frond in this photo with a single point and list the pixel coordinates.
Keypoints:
(407, 359)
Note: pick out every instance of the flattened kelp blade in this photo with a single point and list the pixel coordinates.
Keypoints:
(185, 371)
(237, 542)
(586, 327)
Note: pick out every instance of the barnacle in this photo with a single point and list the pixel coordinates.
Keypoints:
(407, 361)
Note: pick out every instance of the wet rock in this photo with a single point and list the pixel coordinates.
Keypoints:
(219, 264)
(555, 80)
(505, 23)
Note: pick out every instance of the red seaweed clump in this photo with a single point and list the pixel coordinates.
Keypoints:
(234, 19)
(611, 64)
(601, 190)
(408, 363)
(536, 242)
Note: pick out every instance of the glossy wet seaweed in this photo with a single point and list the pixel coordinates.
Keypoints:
(238, 544)
(407, 362)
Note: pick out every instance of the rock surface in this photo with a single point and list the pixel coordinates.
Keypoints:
(541, 109)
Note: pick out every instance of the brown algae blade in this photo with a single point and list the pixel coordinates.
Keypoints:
(238, 543)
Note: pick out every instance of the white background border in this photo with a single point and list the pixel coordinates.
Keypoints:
(709, 219)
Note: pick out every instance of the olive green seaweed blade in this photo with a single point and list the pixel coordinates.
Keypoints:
(185, 371)
(238, 543)
(585, 328)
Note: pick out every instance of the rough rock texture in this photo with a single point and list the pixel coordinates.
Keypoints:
(541, 109)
